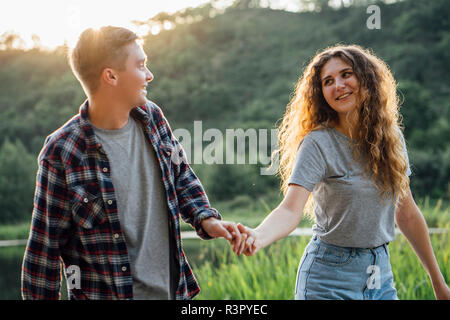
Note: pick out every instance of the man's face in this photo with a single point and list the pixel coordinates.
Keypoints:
(132, 82)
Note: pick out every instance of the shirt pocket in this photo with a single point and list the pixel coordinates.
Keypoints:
(171, 158)
(173, 152)
(165, 151)
(87, 205)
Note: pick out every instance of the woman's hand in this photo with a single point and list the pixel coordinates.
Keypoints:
(250, 241)
(441, 291)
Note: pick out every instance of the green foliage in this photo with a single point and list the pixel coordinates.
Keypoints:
(238, 70)
(17, 170)
(411, 280)
(15, 231)
(271, 273)
(11, 262)
(216, 266)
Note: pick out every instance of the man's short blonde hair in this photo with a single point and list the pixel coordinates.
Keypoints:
(99, 49)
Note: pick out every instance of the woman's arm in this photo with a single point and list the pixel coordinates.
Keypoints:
(279, 223)
(413, 226)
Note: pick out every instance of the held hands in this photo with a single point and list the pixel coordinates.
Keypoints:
(250, 241)
(243, 239)
(223, 229)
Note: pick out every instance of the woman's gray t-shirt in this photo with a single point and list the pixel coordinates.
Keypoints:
(348, 208)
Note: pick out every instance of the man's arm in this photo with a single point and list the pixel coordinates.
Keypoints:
(413, 226)
(192, 199)
(193, 202)
(196, 209)
(41, 264)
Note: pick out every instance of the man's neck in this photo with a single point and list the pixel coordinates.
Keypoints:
(107, 115)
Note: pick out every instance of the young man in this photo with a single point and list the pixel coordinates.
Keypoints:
(108, 195)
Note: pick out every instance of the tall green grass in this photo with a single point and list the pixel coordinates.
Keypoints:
(15, 231)
(436, 212)
(11, 263)
(271, 273)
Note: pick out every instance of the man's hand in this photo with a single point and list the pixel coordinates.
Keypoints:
(218, 228)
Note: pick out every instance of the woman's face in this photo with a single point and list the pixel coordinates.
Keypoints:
(340, 86)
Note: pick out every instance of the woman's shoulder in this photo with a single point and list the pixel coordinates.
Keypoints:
(318, 139)
(318, 134)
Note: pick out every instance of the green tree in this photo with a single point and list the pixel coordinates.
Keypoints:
(17, 182)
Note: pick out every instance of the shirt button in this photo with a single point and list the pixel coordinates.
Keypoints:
(105, 169)
(110, 202)
(86, 200)
(124, 268)
(116, 235)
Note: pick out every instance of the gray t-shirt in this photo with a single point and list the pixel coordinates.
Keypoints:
(348, 208)
(143, 212)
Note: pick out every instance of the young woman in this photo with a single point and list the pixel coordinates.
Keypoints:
(341, 140)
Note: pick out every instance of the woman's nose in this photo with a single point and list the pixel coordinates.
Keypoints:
(340, 83)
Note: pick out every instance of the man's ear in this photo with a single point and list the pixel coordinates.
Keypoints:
(109, 76)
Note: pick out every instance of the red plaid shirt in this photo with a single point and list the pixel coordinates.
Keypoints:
(75, 217)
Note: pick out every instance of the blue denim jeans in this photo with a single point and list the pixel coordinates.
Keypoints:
(329, 272)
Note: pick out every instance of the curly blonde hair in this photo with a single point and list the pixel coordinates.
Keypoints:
(376, 137)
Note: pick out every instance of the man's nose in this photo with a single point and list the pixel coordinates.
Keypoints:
(149, 76)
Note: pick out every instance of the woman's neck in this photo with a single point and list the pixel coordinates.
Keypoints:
(345, 129)
(344, 126)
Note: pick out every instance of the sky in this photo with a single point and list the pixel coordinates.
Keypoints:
(58, 21)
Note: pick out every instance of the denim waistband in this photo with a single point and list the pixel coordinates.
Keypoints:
(354, 249)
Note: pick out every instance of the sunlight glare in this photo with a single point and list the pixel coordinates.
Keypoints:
(59, 22)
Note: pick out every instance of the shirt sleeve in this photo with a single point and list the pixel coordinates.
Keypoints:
(41, 264)
(405, 151)
(310, 165)
(192, 199)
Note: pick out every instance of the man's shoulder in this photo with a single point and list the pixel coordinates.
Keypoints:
(157, 118)
(152, 109)
(64, 144)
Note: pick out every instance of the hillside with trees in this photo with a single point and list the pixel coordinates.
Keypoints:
(237, 69)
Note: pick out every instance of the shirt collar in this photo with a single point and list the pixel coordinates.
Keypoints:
(137, 113)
